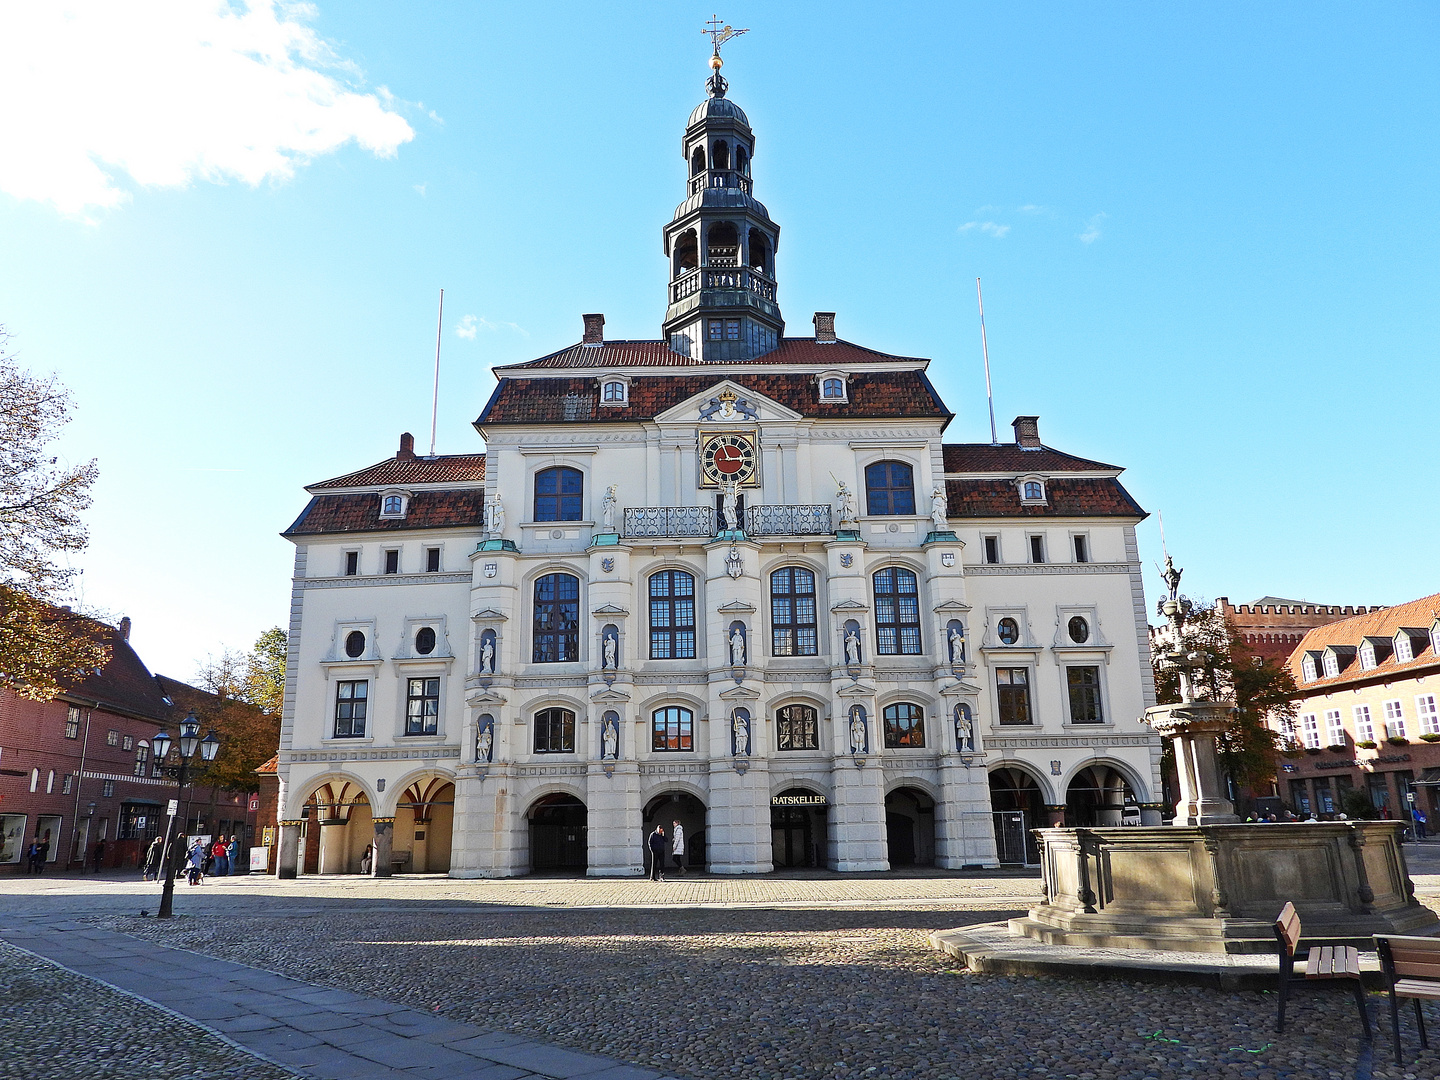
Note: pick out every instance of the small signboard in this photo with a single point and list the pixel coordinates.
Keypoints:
(798, 800)
(172, 807)
(254, 803)
(259, 859)
(267, 836)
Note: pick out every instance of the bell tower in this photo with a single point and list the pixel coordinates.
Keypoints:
(721, 242)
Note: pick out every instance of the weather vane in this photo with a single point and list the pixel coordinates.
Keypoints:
(719, 35)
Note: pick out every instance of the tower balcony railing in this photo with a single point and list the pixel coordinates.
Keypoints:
(746, 278)
(719, 178)
(669, 521)
(797, 520)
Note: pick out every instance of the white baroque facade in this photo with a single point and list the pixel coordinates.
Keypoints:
(651, 600)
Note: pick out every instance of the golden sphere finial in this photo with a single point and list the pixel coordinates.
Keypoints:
(715, 62)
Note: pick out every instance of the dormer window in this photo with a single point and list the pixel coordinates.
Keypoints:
(1032, 490)
(1403, 649)
(1307, 669)
(834, 387)
(614, 390)
(394, 505)
(1367, 656)
(1332, 666)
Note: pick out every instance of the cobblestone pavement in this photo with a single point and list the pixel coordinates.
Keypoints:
(774, 978)
(55, 1025)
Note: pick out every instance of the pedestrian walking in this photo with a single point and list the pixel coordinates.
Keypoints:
(657, 854)
(1422, 824)
(196, 859)
(42, 854)
(99, 855)
(30, 853)
(232, 851)
(677, 846)
(152, 858)
(220, 851)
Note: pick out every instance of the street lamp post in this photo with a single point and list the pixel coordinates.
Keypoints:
(190, 741)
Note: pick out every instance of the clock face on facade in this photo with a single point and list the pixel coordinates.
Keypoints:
(726, 456)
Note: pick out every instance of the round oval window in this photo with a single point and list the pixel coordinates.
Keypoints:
(425, 641)
(1009, 631)
(1079, 630)
(354, 643)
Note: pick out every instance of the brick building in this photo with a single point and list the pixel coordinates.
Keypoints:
(1274, 627)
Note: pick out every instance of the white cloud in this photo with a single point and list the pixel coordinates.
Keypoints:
(989, 228)
(1092, 229)
(471, 325)
(166, 92)
(1032, 208)
(420, 189)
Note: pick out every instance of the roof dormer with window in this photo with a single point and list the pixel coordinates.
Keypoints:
(1032, 490)
(394, 504)
(834, 387)
(614, 390)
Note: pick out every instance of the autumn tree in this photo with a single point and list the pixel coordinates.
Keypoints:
(1228, 669)
(42, 645)
(240, 696)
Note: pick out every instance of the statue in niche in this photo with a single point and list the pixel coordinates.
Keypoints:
(857, 730)
(741, 731)
(487, 656)
(484, 742)
(845, 506)
(737, 648)
(607, 509)
(957, 646)
(497, 517)
(611, 739)
(852, 648)
(963, 737)
(937, 509)
(608, 652)
(730, 507)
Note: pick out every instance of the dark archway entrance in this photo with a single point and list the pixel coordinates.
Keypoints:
(669, 807)
(1019, 806)
(910, 827)
(558, 834)
(799, 829)
(1096, 798)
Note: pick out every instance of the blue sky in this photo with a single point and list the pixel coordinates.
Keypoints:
(1207, 233)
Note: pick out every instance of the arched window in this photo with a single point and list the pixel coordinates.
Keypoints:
(672, 616)
(697, 161)
(721, 155)
(672, 730)
(889, 488)
(557, 494)
(687, 252)
(1034, 489)
(759, 251)
(904, 725)
(142, 757)
(557, 619)
(833, 390)
(723, 244)
(742, 161)
(394, 504)
(897, 612)
(554, 731)
(613, 393)
(797, 727)
(792, 612)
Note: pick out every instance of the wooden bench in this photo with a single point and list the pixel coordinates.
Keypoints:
(1412, 968)
(1323, 962)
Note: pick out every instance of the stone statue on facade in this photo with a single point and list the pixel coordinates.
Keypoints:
(607, 650)
(611, 739)
(496, 516)
(937, 509)
(607, 509)
(737, 648)
(857, 730)
(741, 731)
(484, 743)
(852, 648)
(487, 656)
(730, 507)
(845, 506)
(963, 737)
(957, 646)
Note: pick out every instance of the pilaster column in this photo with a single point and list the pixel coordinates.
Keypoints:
(1151, 813)
(287, 858)
(964, 822)
(332, 845)
(381, 847)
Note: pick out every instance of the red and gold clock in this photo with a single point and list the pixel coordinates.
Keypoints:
(726, 456)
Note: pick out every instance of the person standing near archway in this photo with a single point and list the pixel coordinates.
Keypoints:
(677, 846)
(657, 854)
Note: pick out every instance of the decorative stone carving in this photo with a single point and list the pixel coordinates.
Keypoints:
(937, 509)
(859, 731)
(607, 509)
(485, 739)
(730, 505)
(852, 648)
(610, 737)
(957, 645)
(495, 517)
(740, 732)
(737, 647)
(845, 507)
(964, 730)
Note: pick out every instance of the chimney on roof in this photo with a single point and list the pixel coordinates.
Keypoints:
(407, 447)
(1027, 432)
(594, 330)
(125, 628)
(824, 327)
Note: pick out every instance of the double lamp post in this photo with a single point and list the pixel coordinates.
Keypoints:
(190, 742)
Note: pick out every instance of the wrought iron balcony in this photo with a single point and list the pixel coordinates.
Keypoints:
(746, 278)
(800, 520)
(669, 521)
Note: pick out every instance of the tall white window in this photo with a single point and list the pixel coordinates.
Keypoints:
(1334, 729)
(1364, 728)
(1394, 720)
(1310, 730)
(1332, 666)
(1429, 716)
(1403, 651)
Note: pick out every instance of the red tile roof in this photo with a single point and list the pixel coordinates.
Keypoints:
(879, 394)
(1066, 497)
(271, 766)
(124, 685)
(1010, 458)
(398, 471)
(361, 513)
(1387, 622)
(620, 354)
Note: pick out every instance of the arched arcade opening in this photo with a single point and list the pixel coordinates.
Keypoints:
(424, 827)
(1019, 806)
(665, 809)
(337, 827)
(910, 827)
(558, 834)
(1097, 796)
(799, 829)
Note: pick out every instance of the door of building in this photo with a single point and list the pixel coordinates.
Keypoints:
(1011, 835)
(798, 823)
(558, 836)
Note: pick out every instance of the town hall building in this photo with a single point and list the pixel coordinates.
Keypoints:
(729, 577)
